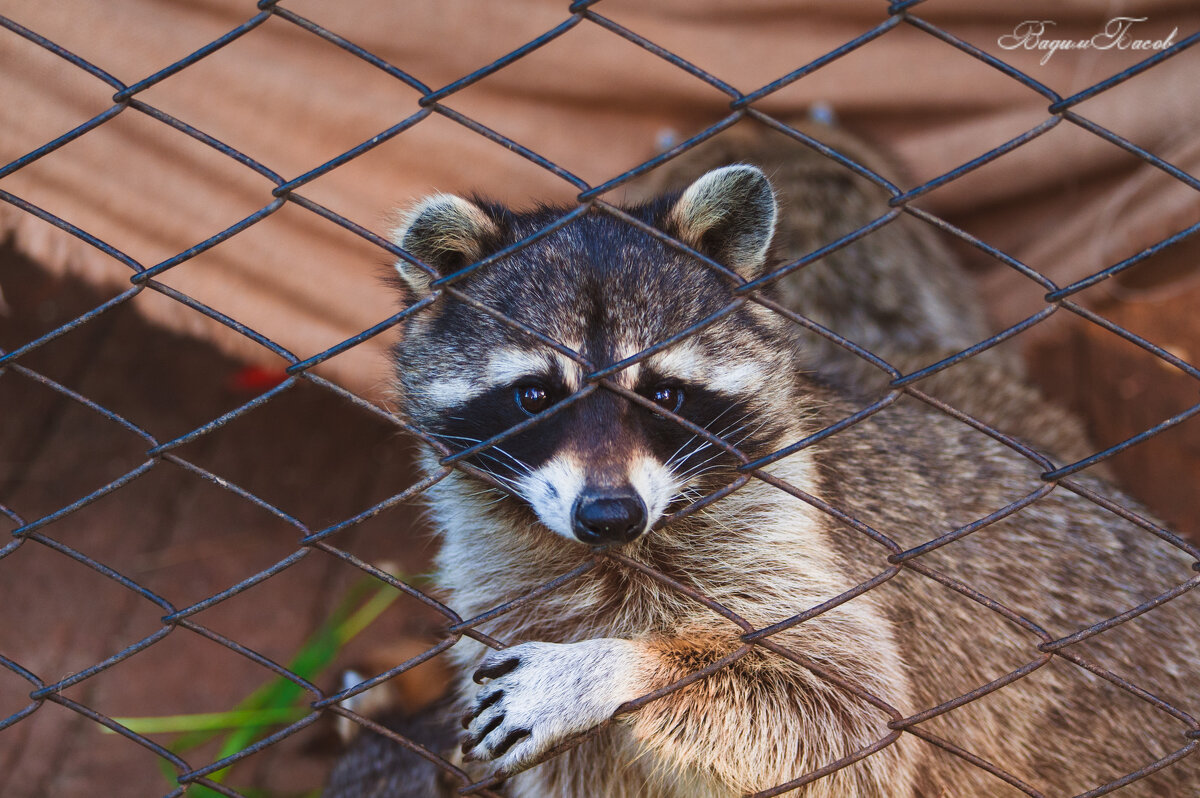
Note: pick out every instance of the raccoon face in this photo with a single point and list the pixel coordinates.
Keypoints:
(588, 462)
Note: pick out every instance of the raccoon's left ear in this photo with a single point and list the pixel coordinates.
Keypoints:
(729, 215)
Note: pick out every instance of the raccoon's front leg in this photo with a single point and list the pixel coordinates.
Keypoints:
(538, 694)
(759, 722)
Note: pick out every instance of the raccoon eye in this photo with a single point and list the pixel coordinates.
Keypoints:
(533, 399)
(668, 397)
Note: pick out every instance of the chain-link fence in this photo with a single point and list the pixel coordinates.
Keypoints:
(324, 542)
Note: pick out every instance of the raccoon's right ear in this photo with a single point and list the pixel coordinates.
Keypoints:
(444, 231)
(728, 214)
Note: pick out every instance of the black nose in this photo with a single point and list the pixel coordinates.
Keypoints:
(609, 517)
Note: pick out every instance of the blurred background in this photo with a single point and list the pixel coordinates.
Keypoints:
(285, 102)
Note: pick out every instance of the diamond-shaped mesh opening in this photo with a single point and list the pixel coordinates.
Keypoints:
(311, 60)
(259, 504)
(564, 127)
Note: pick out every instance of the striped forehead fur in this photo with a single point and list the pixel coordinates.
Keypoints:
(688, 361)
(512, 364)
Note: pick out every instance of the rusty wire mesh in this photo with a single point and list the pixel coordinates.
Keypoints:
(126, 99)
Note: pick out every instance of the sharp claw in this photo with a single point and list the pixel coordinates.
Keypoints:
(493, 671)
(509, 741)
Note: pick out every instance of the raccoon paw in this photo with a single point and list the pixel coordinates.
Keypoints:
(538, 694)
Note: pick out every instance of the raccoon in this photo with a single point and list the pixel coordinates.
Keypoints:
(632, 384)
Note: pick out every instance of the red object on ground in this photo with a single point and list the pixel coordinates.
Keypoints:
(255, 379)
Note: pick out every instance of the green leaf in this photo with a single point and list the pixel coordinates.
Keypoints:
(280, 700)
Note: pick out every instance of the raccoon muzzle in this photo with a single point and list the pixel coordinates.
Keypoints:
(601, 518)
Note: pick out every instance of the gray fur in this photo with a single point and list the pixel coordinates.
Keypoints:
(910, 473)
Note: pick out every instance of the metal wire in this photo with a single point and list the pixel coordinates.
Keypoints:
(322, 542)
